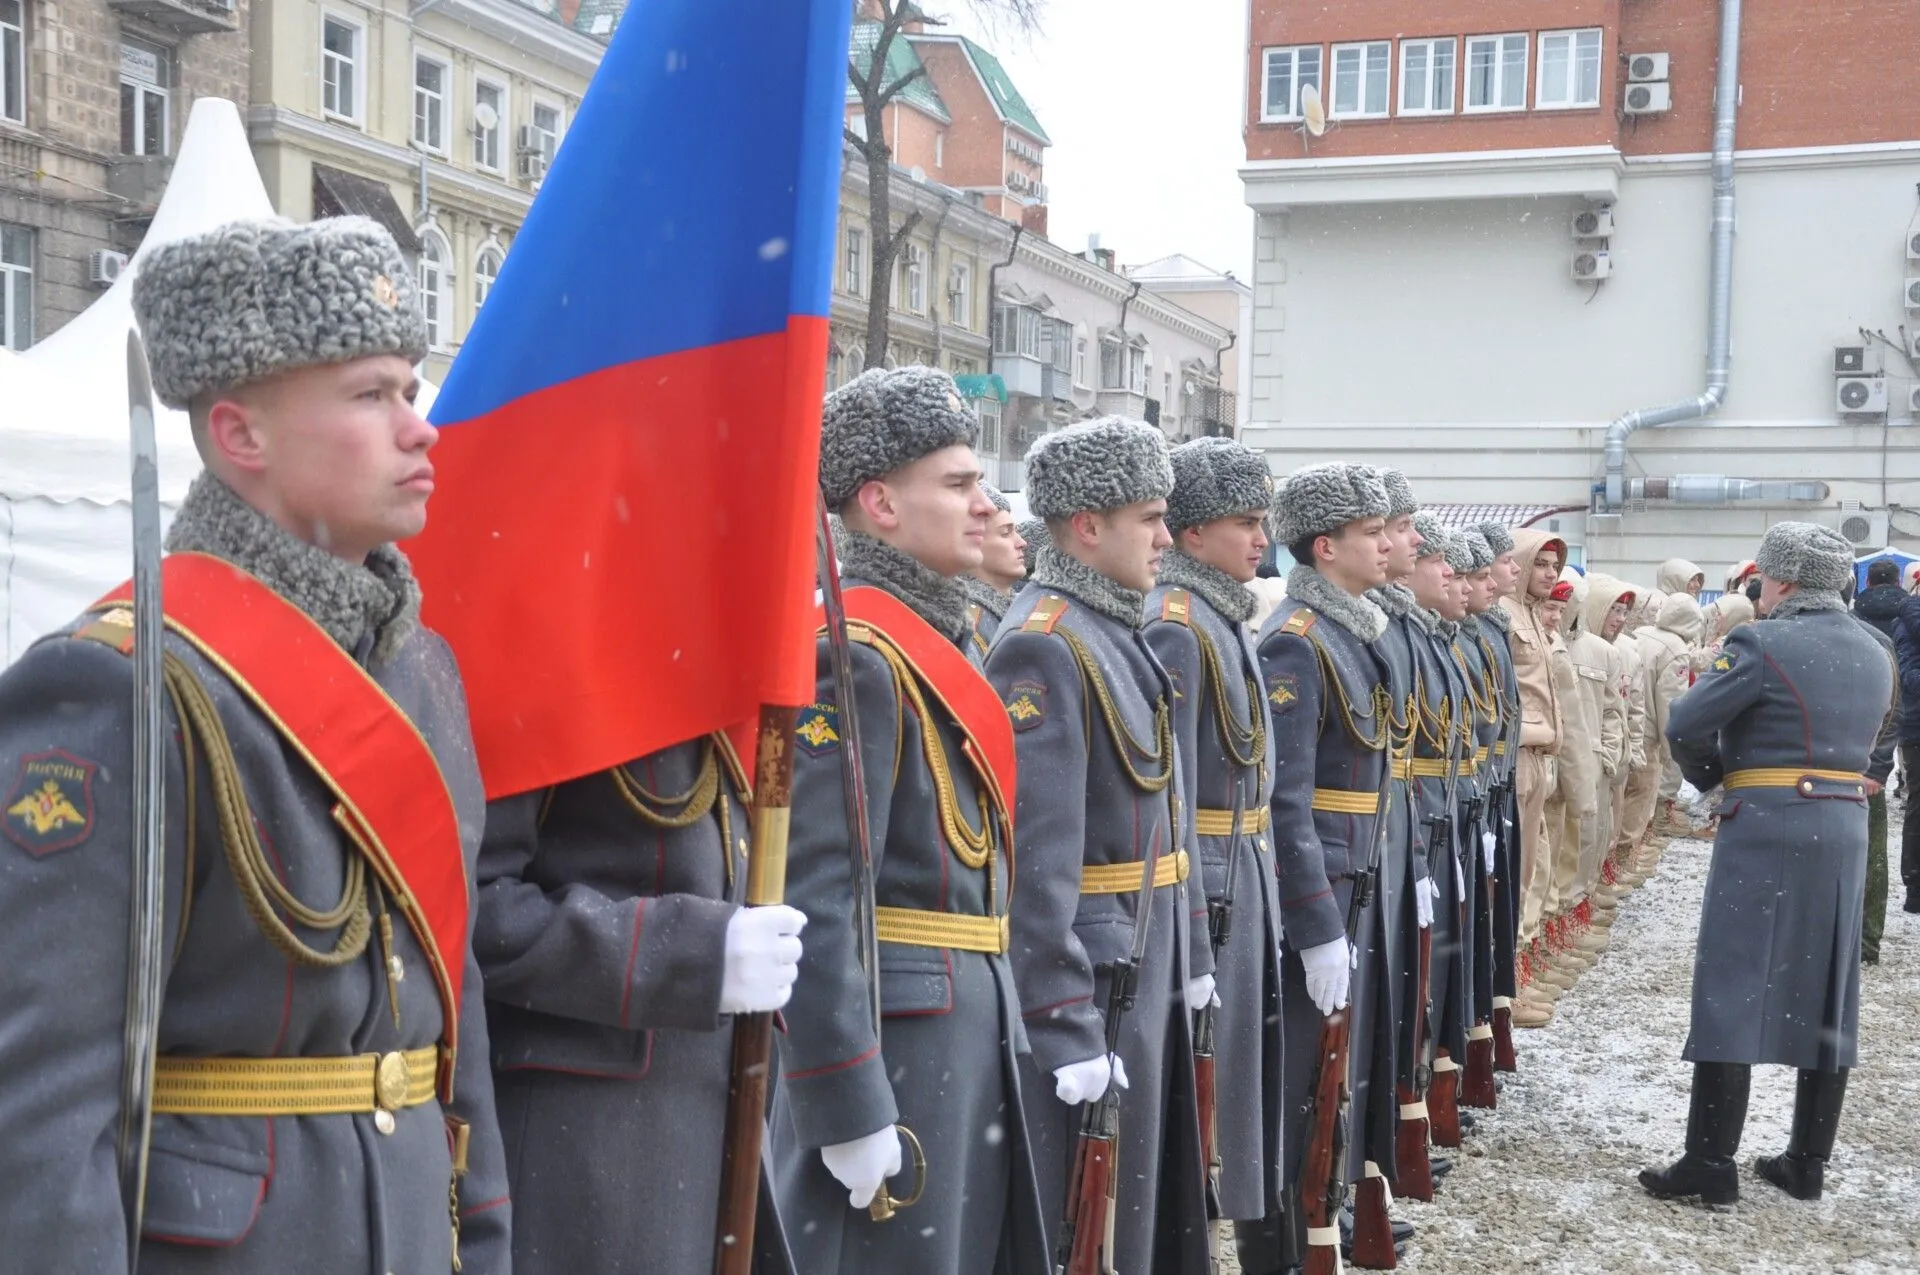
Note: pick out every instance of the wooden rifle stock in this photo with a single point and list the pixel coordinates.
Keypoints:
(1414, 1172)
(1323, 1179)
(1206, 1097)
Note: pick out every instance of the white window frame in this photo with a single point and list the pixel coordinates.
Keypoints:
(1080, 357)
(146, 94)
(11, 273)
(13, 66)
(503, 128)
(1292, 52)
(436, 303)
(1499, 85)
(1364, 51)
(484, 280)
(443, 97)
(559, 110)
(1430, 47)
(960, 299)
(357, 66)
(853, 262)
(939, 150)
(1572, 38)
(909, 278)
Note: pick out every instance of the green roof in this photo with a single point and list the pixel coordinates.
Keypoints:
(981, 385)
(1012, 107)
(901, 61)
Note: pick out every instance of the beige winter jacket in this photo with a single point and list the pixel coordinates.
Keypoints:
(1671, 641)
(1719, 618)
(1602, 668)
(1581, 748)
(1676, 574)
(1533, 646)
(1648, 650)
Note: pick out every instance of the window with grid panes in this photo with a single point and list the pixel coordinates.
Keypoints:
(1569, 69)
(1287, 72)
(340, 68)
(430, 103)
(1426, 77)
(13, 61)
(1360, 76)
(1497, 73)
(16, 287)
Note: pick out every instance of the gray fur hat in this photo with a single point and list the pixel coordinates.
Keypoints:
(1804, 553)
(1321, 499)
(998, 497)
(1459, 557)
(1433, 535)
(884, 419)
(1477, 546)
(1400, 497)
(1034, 532)
(1216, 478)
(1499, 537)
(1097, 465)
(252, 298)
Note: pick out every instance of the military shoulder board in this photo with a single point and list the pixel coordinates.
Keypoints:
(1299, 622)
(111, 627)
(1046, 615)
(1177, 607)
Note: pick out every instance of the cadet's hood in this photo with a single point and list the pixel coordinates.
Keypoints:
(1602, 593)
(1680, 616)
(1645, 610)
(1526, 547)
(1732, 610)
(1574, 619)
(1675, 575)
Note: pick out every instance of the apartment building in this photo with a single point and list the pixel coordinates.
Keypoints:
(94, 95)
(1219, 298)
(437, 118)
(1501, 246)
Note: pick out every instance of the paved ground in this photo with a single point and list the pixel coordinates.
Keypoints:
(1547, 1183)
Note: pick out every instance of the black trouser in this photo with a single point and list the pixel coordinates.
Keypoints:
(1910, 829)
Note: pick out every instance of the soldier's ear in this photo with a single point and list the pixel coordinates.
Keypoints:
(233, 434)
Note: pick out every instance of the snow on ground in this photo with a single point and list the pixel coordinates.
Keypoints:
(1547, 1182)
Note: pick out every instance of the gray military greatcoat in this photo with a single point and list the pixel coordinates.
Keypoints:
(1476, 815)
(1439, 746)
(1081, 809)
(1327, 689)
(1776, 976)
(326, 1194)
(946, 1063)
(602, 935)
(1403, 860)
(1502, 809)
(1193, 640)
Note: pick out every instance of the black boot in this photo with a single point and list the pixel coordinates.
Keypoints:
(1715, 1118)
(1267, 1247)
(1817, 1100)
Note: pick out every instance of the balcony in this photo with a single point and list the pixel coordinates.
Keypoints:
(1213, 411)
(1022, 375)
(181, 17)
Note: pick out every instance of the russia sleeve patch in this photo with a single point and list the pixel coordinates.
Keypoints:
(818, 729)
(1723, 662)
(1027, 704)
(50, 806)
(1284, 692)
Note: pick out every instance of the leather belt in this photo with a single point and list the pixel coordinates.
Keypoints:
(949, 930)
(1430, 768)
(1219, 823)
(1344, 801)
(1801, 779)
(355, 1085)
(1124, 878)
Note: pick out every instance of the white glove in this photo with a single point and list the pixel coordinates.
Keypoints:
(1487, 844)
(864, 1164)
(1201, 993)
(1327, 974)
(1459, 883)
(1423, 892)
(1087, 1081)
(763, 959)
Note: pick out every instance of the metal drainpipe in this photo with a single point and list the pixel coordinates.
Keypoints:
(1126, 363)
(933, 281)
(993, 289)
(1726, 110)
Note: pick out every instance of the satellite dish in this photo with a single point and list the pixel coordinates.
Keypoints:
(1312, 109)
(484, 116)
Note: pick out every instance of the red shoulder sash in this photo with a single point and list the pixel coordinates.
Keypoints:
(391, 798)
(951, 676)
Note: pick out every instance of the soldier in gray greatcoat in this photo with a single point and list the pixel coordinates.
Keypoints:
(1496, 644)
(1092, 713)
(897, 464)
(1197, 625)
(1785, 719)
(298, 1122)
(615, 948)
(1478, 844)
(990, 586)
(1332, 727)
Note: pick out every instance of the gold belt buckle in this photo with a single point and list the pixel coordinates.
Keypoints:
(392, 1081)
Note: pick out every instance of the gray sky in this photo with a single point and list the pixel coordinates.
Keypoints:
(1142, 99)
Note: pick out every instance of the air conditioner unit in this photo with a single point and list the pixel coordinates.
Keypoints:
(1863, 528)
(1913, 399)
(1913, 245)
(104, 266)
(1646, 68)
(1649, 99)
(1860, 395)
(531, 165)
(1913, 343)
(1856, 360)
(1592, 265)
(1593, 223)
(1913, 292)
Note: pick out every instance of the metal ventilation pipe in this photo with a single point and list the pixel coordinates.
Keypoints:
(1713, 489)
(1726, 110)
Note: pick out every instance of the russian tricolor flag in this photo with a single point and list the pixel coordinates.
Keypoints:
(620, 547)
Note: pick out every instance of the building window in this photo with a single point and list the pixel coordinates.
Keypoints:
(853, 279)
(430, 103)
(1080, 360)
(486, 269)
(1360, 75)
(856, 362)
(436, 286)
(13, 61)
(989, 412)
(143, 99)
(340, 47)
(1139, 369)
(910, 283)
(1569, 69)
(960, 295)
(1059, 346)
(939, 150)
(1426, 77)
(1497, 73)
(489, 104)
(1288, 71)
(1111, 364)
(549, 122)
(16, 287)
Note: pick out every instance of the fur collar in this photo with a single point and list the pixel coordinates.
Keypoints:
(370, 610)
(1358, 616)
(1395, 599)
(1807, 602)
(991, 600)
(1220, 591)
(1448, 629)
(1053, 569)
(1427, 621)
(940, 601)
(1497, 616)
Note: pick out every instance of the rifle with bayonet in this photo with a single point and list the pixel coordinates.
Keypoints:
(1206, 1091)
